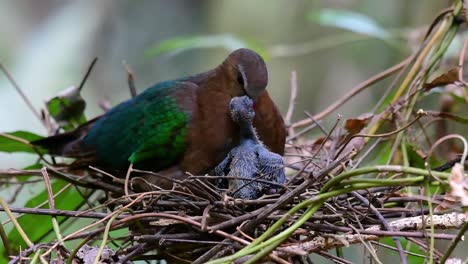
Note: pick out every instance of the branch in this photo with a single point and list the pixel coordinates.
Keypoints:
(446, 221)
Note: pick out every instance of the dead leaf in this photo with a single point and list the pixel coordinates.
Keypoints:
(459, 184)
(446, 204)
(447, 78)
(355, 125)
(458, 190)
(318, 142)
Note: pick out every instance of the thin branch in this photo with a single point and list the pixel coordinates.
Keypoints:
(385, 224)
(88, 72)
(447, 221)
(292, 98)
(50, 197)
(420, 113)
(354, 91)
(454, 243)
(130, 79)
(21, 93)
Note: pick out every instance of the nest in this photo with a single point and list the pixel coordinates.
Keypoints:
(322, 206)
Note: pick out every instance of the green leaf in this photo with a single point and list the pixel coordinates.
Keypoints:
(180, 44)
(38, 226)
(67, 108)
(348, 20)
(12, 142)
(414, 159)
(379, 155)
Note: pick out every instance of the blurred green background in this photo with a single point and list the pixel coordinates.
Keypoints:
(47, 45)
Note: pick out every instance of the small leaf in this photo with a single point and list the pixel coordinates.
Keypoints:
(355, 125)
(180, 44)
(444, 79)
(348, 20)
(67, 108)
(17, 141)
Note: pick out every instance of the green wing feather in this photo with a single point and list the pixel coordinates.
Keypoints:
(149, 130)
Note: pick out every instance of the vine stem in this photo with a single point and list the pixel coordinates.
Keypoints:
(264, 247)
(104, 239)
(380, 168)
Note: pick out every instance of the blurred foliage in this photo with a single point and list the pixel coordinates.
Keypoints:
(349, 20)
(176, 45)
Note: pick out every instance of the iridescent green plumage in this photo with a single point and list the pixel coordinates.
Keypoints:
(149, 131)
